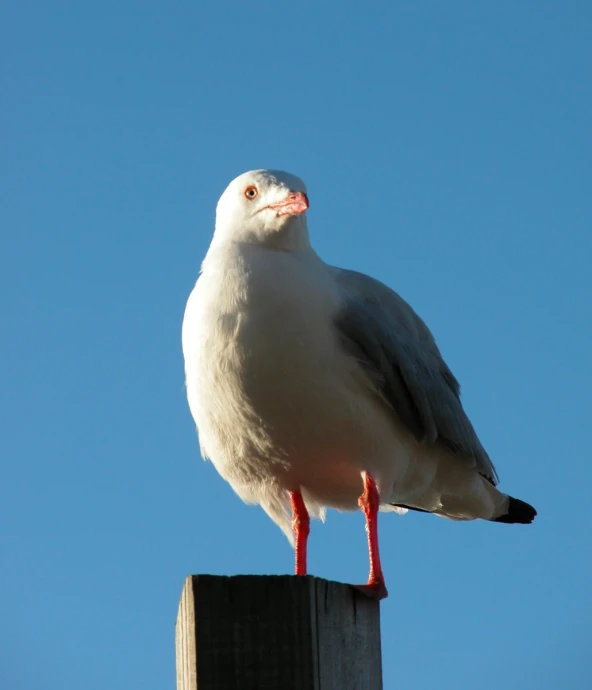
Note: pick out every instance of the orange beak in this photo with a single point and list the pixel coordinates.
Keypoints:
(293, 205)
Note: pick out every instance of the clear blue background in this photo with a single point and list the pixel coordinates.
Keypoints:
(447, 151)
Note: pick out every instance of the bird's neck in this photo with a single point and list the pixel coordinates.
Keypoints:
(224, 254)
(293, 237)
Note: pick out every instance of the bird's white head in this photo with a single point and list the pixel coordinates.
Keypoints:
(266, 207)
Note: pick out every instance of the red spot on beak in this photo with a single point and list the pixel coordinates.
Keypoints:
(294, 204)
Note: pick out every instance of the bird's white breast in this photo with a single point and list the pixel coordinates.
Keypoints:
(269, 389)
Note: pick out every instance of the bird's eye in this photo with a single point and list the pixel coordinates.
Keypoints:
(251, 192)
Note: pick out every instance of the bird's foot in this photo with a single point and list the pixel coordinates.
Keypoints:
(369, 502)
(373, 590)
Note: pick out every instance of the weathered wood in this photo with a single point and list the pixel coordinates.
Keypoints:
(276, 633)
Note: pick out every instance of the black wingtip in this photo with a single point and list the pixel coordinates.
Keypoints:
(519, 512)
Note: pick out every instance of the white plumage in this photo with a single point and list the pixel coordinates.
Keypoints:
(301, 376)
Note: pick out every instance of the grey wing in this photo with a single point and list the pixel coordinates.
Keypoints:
(401, 358)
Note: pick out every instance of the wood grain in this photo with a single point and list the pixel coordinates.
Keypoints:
(276, 633)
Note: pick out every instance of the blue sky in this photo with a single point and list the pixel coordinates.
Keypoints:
(447, 151)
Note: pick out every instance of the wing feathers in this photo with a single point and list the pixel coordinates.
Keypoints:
(400, 357)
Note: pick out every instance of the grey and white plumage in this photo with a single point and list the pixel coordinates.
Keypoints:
(300, 376)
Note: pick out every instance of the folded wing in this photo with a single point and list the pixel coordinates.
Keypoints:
(404, 365)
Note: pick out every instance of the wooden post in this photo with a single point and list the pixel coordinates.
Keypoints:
(276, 633)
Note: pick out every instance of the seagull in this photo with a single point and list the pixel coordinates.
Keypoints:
(316, 387)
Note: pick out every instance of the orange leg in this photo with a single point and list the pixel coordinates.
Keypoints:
(369, 502)
(301, 528)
